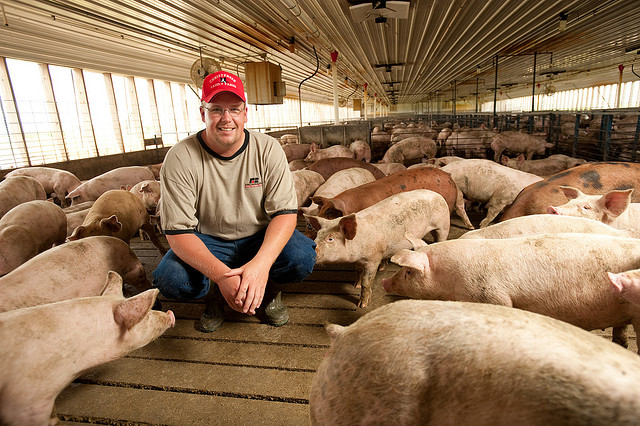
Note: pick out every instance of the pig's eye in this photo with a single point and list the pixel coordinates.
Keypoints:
(329, 239)
(408, 272)
(586, 207)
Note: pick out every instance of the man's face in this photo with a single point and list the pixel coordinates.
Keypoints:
(224, 119)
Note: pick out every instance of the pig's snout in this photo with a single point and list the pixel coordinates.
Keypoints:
(386, 284)
(552, 210)
(172, 318)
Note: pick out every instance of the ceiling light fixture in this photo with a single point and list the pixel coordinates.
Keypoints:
(562, 23)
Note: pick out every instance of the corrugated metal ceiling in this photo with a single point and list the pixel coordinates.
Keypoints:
(402, 60)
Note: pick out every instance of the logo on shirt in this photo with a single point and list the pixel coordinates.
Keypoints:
(253, 183)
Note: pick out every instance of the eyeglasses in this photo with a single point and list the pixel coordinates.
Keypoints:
(218, 111)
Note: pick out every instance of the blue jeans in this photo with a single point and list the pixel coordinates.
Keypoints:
(177, 280)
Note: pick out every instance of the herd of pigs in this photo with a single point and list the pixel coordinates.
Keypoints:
(558, 243)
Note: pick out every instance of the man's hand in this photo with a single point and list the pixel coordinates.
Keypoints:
(253, 282)
(229, 288)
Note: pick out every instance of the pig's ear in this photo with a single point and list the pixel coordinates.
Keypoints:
(338, 206)
(131, 311)
(319, 200)
(504, 160)
(111, 223)
(316, 222)
(334, 331)
(349, 226)
(618, 282)
(417, 243)
(413, 259)
(570, 192)
(520, 159)
(75, 235)
(145, 188)
(113, 285)
(615, 203)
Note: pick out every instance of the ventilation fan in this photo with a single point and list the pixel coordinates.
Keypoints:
(549, 89)
(202, 68)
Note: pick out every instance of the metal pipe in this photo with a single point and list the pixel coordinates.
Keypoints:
(334, 74)
(620, 67)
(477, 93)
(300, 85)
(533, 90)
(495, 93)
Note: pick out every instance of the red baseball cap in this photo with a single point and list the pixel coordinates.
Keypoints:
(220, 82)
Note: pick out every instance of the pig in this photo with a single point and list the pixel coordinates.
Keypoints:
(76, 215)
(419, 165)
(443, 136)
(613, 208)
(114, 179)
(28, 229)
(356, 199)
(60, 182)
(296, 151)
(17, 190)
(443, 161)
(74, 269)
(329, 166)
(288, 138)
(627, 284)
(559, 275)
(569, 161)
(403, 134)
(518, 142)
(380, 142)
(46, 347)
(390, 168)
(334, 151)
(361, 149)
(378, 232)
(149, 193)
(410, 149)
(78, 207)
(487, 182)
(120, 214)
(298, 165)
(155, 169)
(471, 143)
(415, 362)
(542, 167)
(543, 224)
(597, 178)
(306, 183)
(75, 219)
(337, 183)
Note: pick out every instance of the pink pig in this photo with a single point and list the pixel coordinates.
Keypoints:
(28, 229)
(113, 179)
(46, 347)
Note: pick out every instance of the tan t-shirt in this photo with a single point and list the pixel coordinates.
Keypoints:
(227, 197)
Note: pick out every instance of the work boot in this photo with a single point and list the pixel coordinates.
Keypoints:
(213, 315)
(273, 310)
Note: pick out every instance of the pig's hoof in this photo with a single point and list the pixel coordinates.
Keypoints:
(362, 304)
(357, 285)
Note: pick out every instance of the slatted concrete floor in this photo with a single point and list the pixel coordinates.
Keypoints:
(246, 373)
